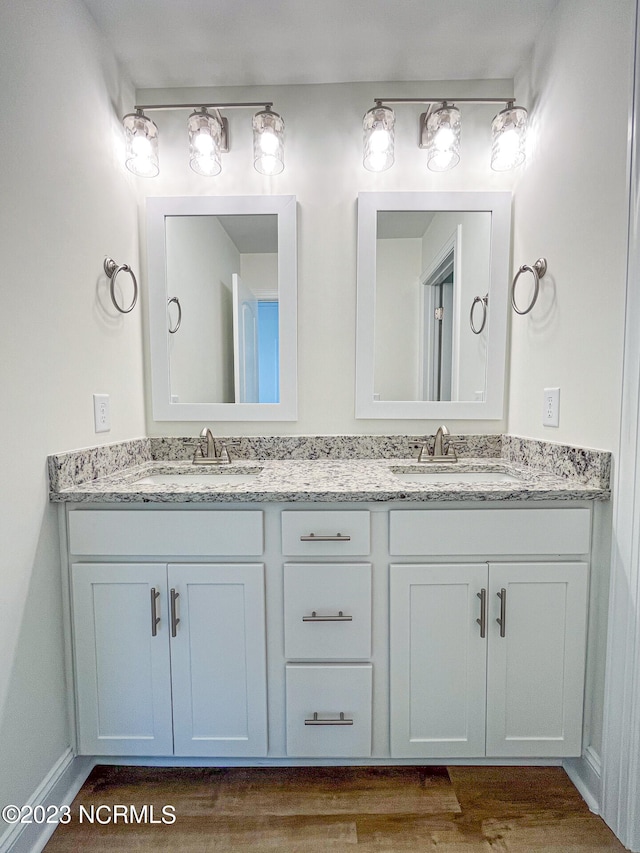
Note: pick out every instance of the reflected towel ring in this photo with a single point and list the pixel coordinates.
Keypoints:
(484, 301)
(179, 320)
(112, 269)
(537, 270)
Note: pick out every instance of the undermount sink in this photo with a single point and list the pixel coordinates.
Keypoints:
(205, 479)
(427, 477)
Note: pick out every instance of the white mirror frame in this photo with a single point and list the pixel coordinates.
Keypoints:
(499, 205)
(284, 206)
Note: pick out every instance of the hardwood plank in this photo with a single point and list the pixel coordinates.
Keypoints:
(249, 810)
(336, 791)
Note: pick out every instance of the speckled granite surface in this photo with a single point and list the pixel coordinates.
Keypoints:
(329, 468)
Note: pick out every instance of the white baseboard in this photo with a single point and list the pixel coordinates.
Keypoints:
(58, 788)
(585, 773)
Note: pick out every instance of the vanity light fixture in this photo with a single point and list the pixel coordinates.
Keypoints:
(440, 133)
(208, 138)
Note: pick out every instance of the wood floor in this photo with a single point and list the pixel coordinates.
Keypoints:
(313, 810)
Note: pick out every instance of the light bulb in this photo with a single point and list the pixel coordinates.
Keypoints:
(379, 140)
(268, 142)
(444, 139)
(203, 142)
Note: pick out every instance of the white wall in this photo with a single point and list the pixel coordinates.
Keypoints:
(570, 206)
(323, 168)
(66, 202)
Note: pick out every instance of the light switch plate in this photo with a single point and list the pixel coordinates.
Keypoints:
(101, 413)
(551, 407)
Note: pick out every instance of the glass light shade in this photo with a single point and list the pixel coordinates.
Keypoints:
(378, 126)
(509, 137)
(268, 143)
(205, 134)
(142, 145)
(443, 138)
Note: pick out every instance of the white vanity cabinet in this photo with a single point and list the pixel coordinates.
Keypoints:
(487, 656)
(170, 657)
(329, 633)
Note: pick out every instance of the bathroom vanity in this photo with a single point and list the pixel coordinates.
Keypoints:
(330, 610)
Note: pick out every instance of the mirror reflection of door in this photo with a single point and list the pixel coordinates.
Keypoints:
(225, 351)
(438, 332)
(245, 342)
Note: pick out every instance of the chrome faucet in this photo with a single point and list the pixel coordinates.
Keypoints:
(206, 452)
(441, 447)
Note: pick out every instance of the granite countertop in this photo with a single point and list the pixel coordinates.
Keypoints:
(332, 479)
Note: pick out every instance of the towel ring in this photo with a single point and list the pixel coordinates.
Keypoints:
(537, 270)
(112, 269)
(484, 301)
(179, 320)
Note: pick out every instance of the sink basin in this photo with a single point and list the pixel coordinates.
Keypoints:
(427, 477)
(204, 479)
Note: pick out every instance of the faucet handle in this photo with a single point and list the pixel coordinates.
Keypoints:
(224, 452)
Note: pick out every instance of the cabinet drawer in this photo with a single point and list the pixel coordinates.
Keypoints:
(489, 531)
(327, 611)
(329, 710)
(325, 533)
(185, 533)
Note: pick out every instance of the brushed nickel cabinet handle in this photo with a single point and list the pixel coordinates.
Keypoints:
(155, 619)
(339, 618)
(313, 537)
(174, 616)
(316, 721)
(482, 621)
(502, 621)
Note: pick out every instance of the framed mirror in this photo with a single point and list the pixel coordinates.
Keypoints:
(222, 307)
(432, 304)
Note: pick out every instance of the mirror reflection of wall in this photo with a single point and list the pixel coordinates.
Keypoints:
(429, 267)
(224, 271)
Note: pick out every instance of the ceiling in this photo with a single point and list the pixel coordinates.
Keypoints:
(188, 43)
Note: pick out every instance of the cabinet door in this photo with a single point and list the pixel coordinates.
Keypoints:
(536, 670)
(123, 682)
(218, 660)
(438, 661)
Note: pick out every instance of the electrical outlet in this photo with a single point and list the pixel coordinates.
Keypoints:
(551, 407)
(101, 413)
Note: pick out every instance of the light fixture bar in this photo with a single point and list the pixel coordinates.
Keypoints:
(197, 106)
(448, 100)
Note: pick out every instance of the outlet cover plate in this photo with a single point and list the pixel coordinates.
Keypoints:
(551, 407)
(101, 413)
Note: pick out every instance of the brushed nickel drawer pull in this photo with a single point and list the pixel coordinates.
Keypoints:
(174, 616)
(339, 618)
(155, 619)
(482, 621)
(314, 721)
(502, 621)
(312, 537)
